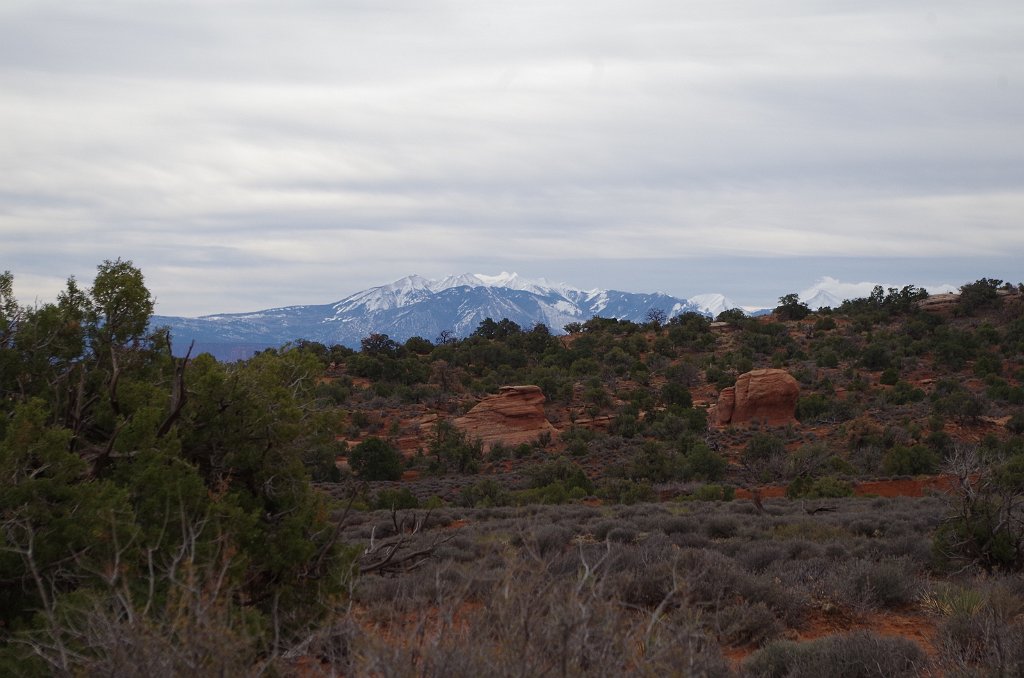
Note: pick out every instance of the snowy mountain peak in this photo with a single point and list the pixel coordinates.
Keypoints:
(410, 282)
(410, 289)
(513, 281)
(820, 299)
(712, 304)
(503, 279)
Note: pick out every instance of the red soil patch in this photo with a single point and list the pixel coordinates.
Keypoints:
(766, 492)
(910, 624)
(916, 487)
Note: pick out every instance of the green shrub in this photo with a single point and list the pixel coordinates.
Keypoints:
(674, 393)
(701, 463)
(876, 357)
(812, 407)
(623, 491)
(763, 446)
(826, 358)
(485, 493)
(453, 451)
(398, 499)
(714, 493)
(376, 459)
(828, 487)
(979, 295)
(560, 470)
(910, 461)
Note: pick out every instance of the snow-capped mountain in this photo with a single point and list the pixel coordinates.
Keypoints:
(820, 299)
(712, 304)
(417, 306)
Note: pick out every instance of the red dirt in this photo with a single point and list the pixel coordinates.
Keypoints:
(916, 487)
(766, 492)
(910, 624)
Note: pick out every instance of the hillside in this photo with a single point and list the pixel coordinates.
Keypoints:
(886, 388)
(811, 568)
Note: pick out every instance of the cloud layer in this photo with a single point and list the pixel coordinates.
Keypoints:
(250, 154)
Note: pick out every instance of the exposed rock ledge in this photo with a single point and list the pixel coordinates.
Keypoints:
(514, 416)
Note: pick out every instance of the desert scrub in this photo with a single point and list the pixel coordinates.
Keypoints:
(549, 539)
(861, 654)
(886, 584)
(982, 629)
(757, 556)
(714, 580)
(746, 624)
(721, 527)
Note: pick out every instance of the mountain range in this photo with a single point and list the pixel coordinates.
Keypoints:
(417, 306)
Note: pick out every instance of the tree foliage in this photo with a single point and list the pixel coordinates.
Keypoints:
(376, 459)
(791, 308)
(122, 463)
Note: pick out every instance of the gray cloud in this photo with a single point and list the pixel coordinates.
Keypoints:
(249, 154)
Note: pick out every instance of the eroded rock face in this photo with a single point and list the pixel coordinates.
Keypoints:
(514, 416)
(726, 404)
(940, 304)
(768, 396)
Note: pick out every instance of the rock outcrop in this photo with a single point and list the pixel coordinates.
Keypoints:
(940, 304)
(514, 416)
(768, 396)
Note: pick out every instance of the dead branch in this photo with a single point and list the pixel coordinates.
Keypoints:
(179, 393)
(403, 551)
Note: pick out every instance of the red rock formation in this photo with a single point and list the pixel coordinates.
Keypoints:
(726, 404)
(768, 396)
(514, 416)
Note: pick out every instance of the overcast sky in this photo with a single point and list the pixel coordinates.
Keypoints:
(256, 154)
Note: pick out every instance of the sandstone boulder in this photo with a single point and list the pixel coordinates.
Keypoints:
(768, 396)
(514, 416)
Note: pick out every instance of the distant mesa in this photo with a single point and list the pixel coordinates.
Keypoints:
(767, 396)
(512, 417)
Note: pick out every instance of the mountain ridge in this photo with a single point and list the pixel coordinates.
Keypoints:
(418, 306)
